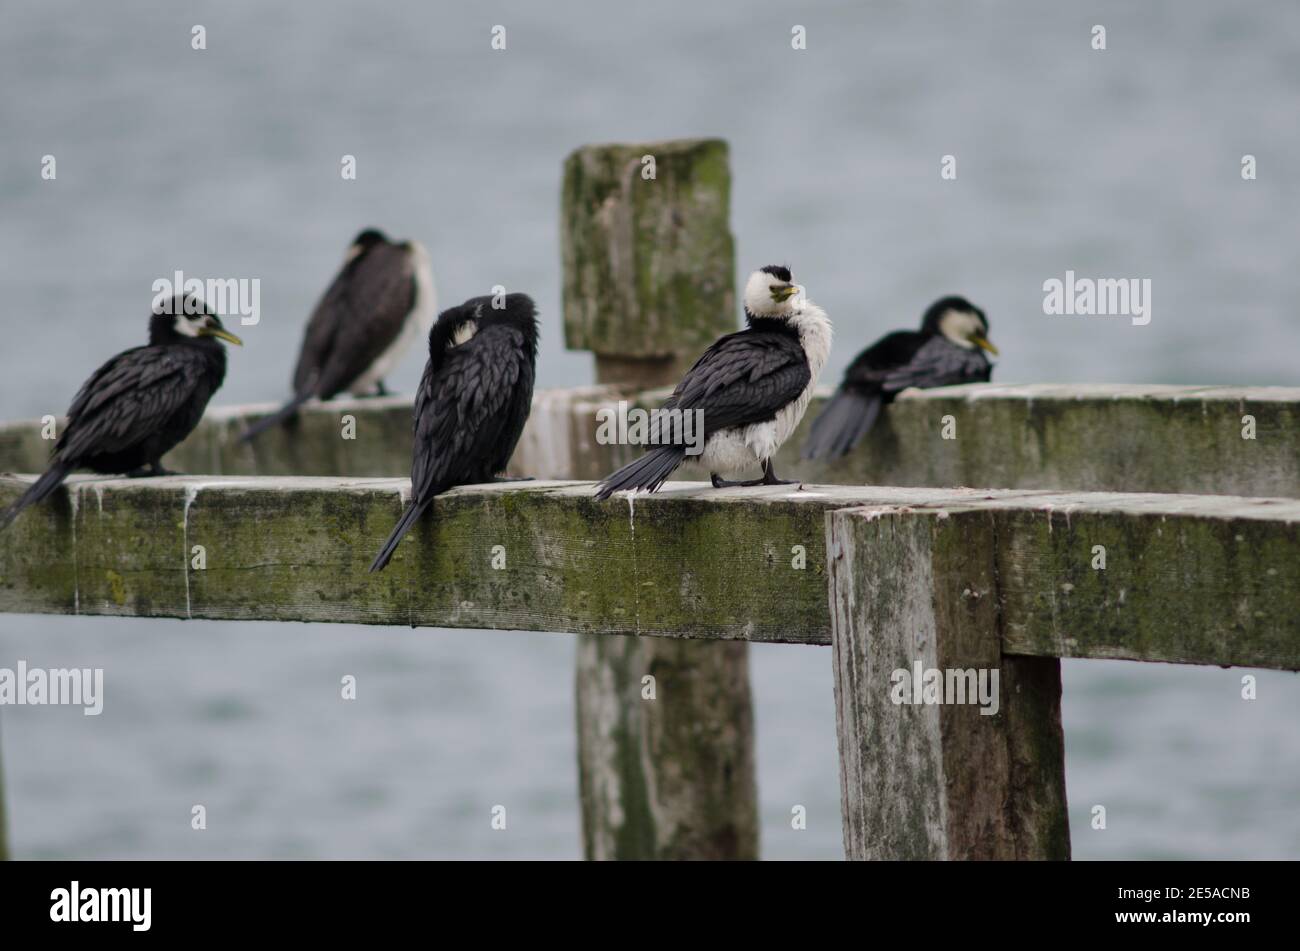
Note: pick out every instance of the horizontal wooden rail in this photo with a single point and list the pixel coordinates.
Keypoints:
(1096, 438)
(1188, 579)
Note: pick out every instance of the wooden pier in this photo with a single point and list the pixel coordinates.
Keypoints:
(1151, 523)
(950, 578)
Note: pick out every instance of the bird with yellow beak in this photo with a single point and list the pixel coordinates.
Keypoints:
(947, 350)
(140, 404)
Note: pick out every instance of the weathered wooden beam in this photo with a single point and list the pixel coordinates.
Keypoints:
(1081, 437)
(348, 437)
(1091, 438)
(978, 775)
(298, 548)
(1187, 579)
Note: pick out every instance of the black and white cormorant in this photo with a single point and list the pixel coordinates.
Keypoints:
(381, 301)
(752, 386)
(473, 401)
(140, 404)
(948, 349)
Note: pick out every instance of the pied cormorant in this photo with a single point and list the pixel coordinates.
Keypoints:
(752, 387)
(948, 349)
(380, 302)
(473, 401)
(142, 403)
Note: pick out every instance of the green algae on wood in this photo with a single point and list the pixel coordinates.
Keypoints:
(666, 765)
(649, 262)
(1090, 438)
(1188, 579)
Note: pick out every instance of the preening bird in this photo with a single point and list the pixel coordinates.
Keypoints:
(140, 404)
(948, 349)
(752, 387)
(473, 400)
(381, 301)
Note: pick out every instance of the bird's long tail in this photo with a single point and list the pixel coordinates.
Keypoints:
(841, 425)
(413, 511)
(648, 472)
(284, 412)
(47, 483)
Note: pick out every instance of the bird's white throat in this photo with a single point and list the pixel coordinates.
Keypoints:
(959, 326)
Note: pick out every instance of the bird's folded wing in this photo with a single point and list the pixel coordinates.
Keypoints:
(358, 319)
(744, 378)
(936, 363)
(127, 399)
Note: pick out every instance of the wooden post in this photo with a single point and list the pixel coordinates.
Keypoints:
(649, 261)
(649, 270)
(665, 734)
(937, 781)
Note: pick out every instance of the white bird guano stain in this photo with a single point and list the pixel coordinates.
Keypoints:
(73, 495)
(191, 493)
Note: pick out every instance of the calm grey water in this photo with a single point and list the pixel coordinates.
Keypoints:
(224, 162)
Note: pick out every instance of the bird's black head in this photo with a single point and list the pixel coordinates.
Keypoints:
(186, 319)
(960, 321)
(458, 325)
(369, 238)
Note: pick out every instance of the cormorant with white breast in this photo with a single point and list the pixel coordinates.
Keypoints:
(142, 403)
(473, 400)
(947, 350)
(752, 387)
(381, 301)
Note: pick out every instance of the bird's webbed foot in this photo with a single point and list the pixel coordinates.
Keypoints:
(721, 483)
(769, 476)
(151, 470)
(380, 389)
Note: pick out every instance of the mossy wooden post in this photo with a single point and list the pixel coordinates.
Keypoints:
(943, 780)
(649, 261)
(666, 765)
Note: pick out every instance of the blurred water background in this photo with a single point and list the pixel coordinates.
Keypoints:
(225, 162)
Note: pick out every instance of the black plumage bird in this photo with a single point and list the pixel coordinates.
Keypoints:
(381, 301)
(473, 401)
(142, 403)
(947, 350)
(749, 389)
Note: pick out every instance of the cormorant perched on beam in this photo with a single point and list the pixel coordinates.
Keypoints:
(380, 302)
(142, 403)
(947, 350)
(473, 400)
(752, 388)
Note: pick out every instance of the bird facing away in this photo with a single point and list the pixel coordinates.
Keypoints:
(473, 400)
(752, 388)
(381, 301)
(140, 404)
(948, 349)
